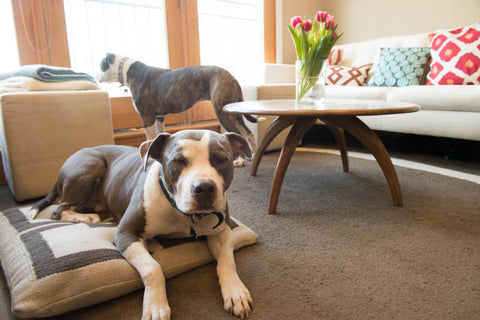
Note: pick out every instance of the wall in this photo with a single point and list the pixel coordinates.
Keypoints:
(368, 19)
(285, 10)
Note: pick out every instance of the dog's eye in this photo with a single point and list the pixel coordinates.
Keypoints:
(219, 160)
(181, 161)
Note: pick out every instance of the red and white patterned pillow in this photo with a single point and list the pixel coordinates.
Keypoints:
(455, 56)
(347, 76)
(335, 56)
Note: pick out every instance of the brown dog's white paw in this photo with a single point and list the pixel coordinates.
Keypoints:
(71, 216)
(237, 299)
(155, 306)
(239, 162)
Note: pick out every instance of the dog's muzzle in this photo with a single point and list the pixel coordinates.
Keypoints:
(203, 191)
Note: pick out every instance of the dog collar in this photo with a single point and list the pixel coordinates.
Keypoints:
(120, 70)
(189, 215)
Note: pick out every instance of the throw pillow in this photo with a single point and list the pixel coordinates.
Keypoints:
(455, 56)
(335, 56)
(53, 267)
(347, 76)
(400, 67)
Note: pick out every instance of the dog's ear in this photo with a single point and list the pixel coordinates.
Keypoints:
(107, 61)
(239, 145)
(153, 148)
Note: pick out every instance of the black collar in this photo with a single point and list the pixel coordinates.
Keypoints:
(190, 215)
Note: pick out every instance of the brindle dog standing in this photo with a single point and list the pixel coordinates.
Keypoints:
(157, 92)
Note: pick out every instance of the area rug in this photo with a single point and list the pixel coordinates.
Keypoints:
(339, 249)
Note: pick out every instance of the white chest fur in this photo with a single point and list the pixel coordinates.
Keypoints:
(161, 218)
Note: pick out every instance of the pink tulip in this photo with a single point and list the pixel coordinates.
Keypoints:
(295, 20)
(321, 16)
(307, 25)
(334, 35)
(330, 22)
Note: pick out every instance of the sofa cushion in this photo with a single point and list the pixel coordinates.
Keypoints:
(53, 267)
(447, 124)
(400, 67)
(456, 56)
(347, 76)
(451, 98)
(287, 91)
(352, 92)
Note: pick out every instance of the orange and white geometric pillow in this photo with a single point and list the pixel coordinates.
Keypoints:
(335, 56)
(455, 56)
(347, 76)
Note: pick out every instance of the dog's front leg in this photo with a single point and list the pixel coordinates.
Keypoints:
(236, 297)
(155, 303)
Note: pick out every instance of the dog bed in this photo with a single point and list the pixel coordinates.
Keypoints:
(53, 267)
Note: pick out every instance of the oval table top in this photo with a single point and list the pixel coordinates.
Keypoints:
(347, 107)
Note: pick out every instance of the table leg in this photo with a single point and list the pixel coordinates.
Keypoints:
(299, 129)
(339, 135)
(277, 126)
(370, 140)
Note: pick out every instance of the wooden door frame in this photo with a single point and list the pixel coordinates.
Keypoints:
(41, 32)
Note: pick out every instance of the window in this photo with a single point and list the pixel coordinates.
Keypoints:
(9, 59)
(231, 36)
(133, 28)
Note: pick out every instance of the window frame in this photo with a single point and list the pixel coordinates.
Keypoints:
(182, 37)
(182, 32)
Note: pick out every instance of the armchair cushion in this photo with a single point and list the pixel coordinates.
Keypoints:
(40, 130)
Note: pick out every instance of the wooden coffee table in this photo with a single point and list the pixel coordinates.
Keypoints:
(339, 116)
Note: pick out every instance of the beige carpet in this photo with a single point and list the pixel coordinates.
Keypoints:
(339, 249)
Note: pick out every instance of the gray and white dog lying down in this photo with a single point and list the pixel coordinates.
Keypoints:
(158, 92)
(173, 186)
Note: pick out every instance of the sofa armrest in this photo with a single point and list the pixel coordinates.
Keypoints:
(276, 91)
(279, 73)
(249, 93)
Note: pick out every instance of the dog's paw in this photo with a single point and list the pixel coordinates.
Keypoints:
(155, 307)
(237, 299)
(71, 216)
(157, 312)
(239, 162)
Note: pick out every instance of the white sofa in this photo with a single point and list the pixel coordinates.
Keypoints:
(447, 111)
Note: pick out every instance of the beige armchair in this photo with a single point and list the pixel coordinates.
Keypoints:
(40, 130)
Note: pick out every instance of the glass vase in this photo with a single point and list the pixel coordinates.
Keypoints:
(310, 82)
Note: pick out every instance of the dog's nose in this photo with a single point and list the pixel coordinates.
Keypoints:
(203, 189)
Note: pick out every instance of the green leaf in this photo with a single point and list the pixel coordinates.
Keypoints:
(296, 41)
(304, 45)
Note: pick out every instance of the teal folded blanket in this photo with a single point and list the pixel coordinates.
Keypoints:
(47, 73)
